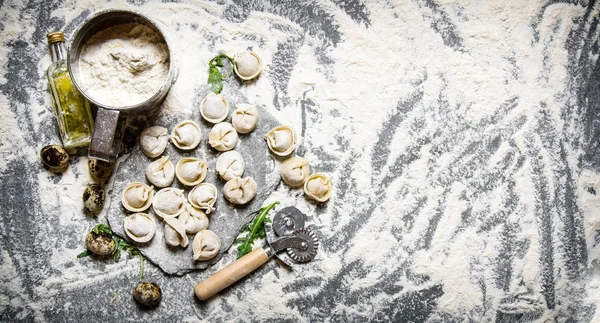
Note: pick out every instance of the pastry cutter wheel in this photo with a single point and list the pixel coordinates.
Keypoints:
(285, 232)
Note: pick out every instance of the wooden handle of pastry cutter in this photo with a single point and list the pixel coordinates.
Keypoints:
(230, 274)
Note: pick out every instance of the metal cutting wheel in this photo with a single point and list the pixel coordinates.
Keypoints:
(312, 243)
(300, 243)
(290, 221)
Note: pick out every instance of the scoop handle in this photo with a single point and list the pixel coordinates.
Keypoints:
(106, 139)
(231, 273)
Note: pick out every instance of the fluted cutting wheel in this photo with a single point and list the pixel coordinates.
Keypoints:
(312, 243)
(288, 220)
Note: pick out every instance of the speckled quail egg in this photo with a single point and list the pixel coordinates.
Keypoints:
(147, 294)
(101, 243)
(99, 169)
(93, 199)
(54, 158)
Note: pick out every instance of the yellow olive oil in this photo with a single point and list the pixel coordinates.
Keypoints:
(72, 110)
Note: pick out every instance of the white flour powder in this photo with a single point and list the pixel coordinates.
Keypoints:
(502, 58)
(124, 65)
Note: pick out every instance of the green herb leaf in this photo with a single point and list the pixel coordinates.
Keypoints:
(254, 230)
(215, 77)
(141, 266)
(104, 228)
(117, 254)
(113, 299)
(244, 249)
(215, 80)
(83, 254)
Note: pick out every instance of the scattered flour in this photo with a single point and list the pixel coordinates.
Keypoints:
(589, 198)
(497, 58)
(11, 283)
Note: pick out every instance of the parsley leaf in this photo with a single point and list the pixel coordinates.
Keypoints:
(104, 228)
(253, 230)
(215, 78)
(83, 254)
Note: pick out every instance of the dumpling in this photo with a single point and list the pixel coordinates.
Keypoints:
(247, 65)
(186, 135)
(153, 141)
(203, 197)
(214, 108)
(318, 187)
(175, 233)
(294, 171)
(206, 245)
(191, 171)
(161, 172)
(193, 219)
(281, 140)
(223, 137)
(139, 227)
(168, 202)
(240, 190)
(230, 164)
(244, 118)
(137, 197)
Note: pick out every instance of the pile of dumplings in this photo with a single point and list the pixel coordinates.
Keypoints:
(183, 216)
(295, 171)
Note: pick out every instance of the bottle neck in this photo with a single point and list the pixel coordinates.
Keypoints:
(58, 51)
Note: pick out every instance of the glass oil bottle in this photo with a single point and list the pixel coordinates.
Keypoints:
(72, 110)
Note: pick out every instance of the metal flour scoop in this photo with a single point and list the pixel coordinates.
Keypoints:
(111, 121)
(285, 232)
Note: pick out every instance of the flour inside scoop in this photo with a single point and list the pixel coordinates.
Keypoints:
(227, 220)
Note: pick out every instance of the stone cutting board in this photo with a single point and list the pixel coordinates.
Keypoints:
(227, 220)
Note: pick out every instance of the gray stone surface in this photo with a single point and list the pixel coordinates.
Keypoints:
(227, 220)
